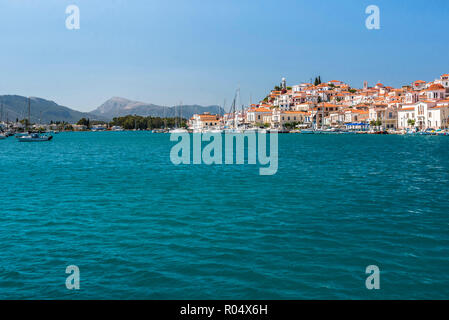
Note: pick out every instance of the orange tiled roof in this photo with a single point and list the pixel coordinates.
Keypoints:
(207, 117)
(294, 112)
(260, 110)
(440, 106)
(435, 87)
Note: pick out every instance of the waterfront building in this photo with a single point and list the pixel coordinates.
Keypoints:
(79, 127)
(256, 115)
(356, 116)
(387, 115)
(281, 117)
(204, 121)
(424, 115)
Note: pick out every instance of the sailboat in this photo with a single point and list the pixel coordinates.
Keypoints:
(234, 128)
(176, 129)
(33, 137)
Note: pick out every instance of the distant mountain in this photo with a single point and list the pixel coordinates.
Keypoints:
(117, 107)
(45, 111)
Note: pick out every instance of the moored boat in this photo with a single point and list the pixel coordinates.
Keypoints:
(307, 131)
(179, 130)
(35, 137)
(22, 134)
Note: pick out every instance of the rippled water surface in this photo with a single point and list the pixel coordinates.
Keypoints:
(139, 227)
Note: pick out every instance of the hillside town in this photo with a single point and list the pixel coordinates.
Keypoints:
(320, 107)
(331, 106)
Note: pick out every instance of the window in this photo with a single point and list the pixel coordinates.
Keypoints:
(420, 110)
(430, 114)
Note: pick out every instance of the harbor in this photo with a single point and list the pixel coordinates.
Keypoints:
(332, 107)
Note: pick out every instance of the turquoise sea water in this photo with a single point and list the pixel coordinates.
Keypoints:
(139, 227)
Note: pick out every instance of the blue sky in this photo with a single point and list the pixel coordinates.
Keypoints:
(165, 52)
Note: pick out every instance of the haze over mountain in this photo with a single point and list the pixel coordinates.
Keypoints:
(117, 107)
(45, 111)
(42, 110)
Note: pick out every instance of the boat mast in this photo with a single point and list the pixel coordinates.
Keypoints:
(240, 102)
(176, 119)
(224, 106)
(222, 115)
(29, 112)
(180, 114)
(233, 109)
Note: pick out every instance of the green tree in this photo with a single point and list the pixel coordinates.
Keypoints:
(83, 122)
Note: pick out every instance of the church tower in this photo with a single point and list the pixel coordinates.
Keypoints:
(284, 84)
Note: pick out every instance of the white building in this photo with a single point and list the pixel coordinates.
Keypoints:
(424, 115)
(444, 80)
(435, 92)
(204, 121)
(256, 115)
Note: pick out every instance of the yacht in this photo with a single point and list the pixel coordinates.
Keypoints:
(307, 131)
(233, 130)
(178, 130)
(22, 134)
(213, 130)
(35, 137)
